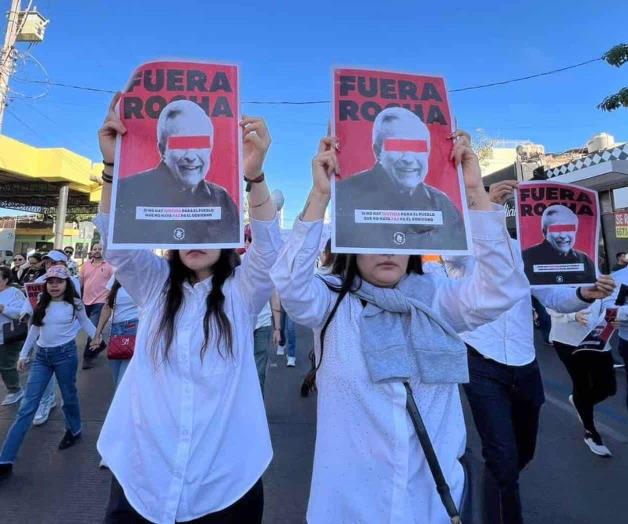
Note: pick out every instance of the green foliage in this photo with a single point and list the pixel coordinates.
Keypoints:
(612, 102)
(617, 56)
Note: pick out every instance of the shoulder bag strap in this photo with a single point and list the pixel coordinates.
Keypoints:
(430, 455)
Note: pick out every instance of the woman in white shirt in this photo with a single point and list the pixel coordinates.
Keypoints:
(52, 333)
(11, 300)
(124, 315)
(186, 436)
(590, 367)
(379, 323)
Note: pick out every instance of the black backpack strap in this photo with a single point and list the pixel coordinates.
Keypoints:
(430, 455)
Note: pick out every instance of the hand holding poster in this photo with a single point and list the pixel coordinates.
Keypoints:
(599, 336)
(558, 227)
(33, 290)
(177, 179)
(397, 191)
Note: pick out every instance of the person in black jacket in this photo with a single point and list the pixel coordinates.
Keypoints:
(396, 185)
(555, 260)
(144, 201)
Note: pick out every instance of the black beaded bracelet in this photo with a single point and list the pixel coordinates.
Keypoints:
(106, 178)
(108, 164)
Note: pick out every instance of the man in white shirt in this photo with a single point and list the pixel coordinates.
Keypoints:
(72, 264)
(505, 390)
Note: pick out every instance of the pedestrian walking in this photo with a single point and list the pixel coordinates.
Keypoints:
(11, 300)
(48, 401)
(186, 436)
(16, 266)
(591, 370)
(52, 334)
(381, 326)
(505, 390)
(34, 270)
(124, 315)
(94, 275)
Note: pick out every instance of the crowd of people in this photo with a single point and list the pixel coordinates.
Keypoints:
(188, 337)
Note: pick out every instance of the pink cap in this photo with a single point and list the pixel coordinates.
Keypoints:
(57, 272)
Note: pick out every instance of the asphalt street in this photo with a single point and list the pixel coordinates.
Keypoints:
(565, 483)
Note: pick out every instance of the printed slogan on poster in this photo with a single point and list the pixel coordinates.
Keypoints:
(397, 190)
(558, 226)
(177, 180)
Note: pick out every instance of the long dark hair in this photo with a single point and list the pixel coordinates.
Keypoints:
(69, 295)
(346, 267)
(113, 293)
(222, 269)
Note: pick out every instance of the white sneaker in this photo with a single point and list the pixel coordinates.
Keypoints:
(12, 398)
(596, 445)
(291, 362)
(43, 412)
(281, 350)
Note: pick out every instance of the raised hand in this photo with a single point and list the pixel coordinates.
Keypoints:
(603, 288)
(111, 128)
(500, 192)
(464, 156)
(256, 141)
(325, 165)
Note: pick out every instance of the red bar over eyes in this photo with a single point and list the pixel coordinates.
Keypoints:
(560, 228)
(189, 142)
(402, 145)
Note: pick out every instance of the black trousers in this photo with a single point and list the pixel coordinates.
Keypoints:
(505, 403)
(592, 376)
(247, 510)
(623, 351)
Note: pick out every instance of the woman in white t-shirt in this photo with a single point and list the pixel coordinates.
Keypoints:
(123, 313)
(590, 367)
(11, 300)
(52, 333)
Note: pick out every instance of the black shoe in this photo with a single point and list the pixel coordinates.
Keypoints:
(68, 440)
(5, 471)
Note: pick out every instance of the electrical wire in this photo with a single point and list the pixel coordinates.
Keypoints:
(318, 102)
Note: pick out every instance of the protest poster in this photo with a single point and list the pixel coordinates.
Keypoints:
(178, 168)
(397, 190)
(599, 336)
(558, 227)
(33, 290)
(621, 224)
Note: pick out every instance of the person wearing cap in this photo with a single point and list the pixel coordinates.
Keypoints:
(560, 227)
(52, 335)
(48, 401)
(401, 144)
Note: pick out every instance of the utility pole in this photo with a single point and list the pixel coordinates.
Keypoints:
(8, 55)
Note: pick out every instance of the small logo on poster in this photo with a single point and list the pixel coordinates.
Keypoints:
(179, 233)
(560, 279)
(399, 238)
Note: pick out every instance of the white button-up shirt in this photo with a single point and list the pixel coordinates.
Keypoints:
(189, 437)
(368, 463)
(510, 338)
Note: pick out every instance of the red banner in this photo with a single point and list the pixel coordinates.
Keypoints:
(33, 290)
(177, 181)
(558, 227)
(397, 190)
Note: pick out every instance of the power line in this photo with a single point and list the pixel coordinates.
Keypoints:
(318, 102)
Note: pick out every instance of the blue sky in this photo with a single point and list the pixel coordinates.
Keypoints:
(286, 50)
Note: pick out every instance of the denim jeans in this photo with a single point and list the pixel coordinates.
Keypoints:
(505, 402)
(291, 336)
(61, 361)
(50, 392)
(93, 312)
(118, 367)
(262, 341)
